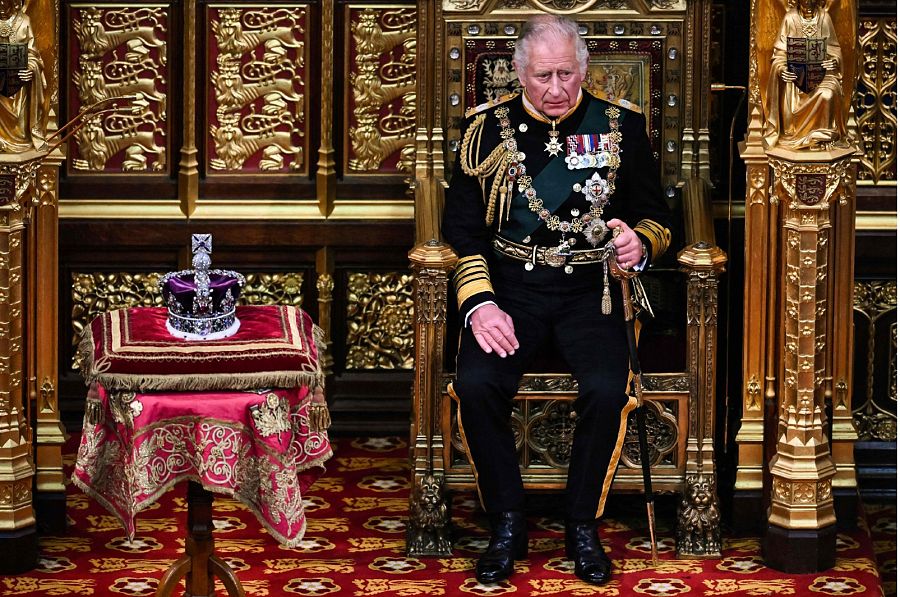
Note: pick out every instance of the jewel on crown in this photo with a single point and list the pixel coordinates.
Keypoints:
(201, 302)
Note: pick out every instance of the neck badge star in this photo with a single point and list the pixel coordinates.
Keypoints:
(553, 146)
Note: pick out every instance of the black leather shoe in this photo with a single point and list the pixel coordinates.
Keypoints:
(591, 562)
(509, 542)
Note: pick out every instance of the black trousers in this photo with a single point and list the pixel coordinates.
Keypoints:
(551, 311)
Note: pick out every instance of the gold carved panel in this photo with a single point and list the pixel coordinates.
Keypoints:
(381, 98)
(96, 293)
(120, 51)
(257, 98)
(875, 101)
(640, 61)
(875, 372)
(380, 321)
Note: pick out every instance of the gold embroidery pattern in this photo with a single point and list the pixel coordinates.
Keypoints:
(271, 416)
(128, 470)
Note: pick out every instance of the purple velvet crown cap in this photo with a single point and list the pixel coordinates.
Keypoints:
(201, 301)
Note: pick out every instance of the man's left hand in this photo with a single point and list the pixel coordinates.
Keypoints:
(629, 250)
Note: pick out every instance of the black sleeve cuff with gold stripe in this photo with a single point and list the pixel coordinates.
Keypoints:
(472, 281)
(657, 235)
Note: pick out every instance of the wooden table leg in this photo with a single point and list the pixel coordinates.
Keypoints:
(199, 565)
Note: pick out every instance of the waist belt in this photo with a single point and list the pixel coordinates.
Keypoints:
(552, 256)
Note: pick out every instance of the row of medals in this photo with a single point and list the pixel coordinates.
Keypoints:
(595, 189)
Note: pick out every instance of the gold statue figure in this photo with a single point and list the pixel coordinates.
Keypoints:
(805, 108)
(22, 82)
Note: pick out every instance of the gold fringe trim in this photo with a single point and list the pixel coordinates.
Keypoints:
(96, 372)
(85, 350)
(194, 382)
(319, 338)
(617, 453)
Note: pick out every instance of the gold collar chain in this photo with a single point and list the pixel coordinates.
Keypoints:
(590, 223)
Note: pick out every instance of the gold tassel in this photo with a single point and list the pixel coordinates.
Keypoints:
(503, 209)
(93, 412)
(319, 417)
(606, 303)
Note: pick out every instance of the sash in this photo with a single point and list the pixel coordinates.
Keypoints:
(554, 183)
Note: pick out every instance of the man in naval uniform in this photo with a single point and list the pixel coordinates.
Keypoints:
(542, 180)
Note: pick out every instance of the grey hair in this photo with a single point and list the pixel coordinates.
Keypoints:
(552, 27)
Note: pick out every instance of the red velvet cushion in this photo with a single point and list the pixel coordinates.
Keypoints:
(130, 349)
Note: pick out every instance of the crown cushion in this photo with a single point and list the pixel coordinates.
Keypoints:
(131, 349)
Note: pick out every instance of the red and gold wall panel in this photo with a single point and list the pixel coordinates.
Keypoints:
(380, 103)
(257, 89)
(119, 51)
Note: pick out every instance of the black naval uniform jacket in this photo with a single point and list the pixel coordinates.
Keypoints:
(637, 200)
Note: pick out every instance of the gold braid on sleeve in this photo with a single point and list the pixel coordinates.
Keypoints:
(659, 236)
(495, 164)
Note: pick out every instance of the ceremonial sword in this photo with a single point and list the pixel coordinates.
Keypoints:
(640, 413)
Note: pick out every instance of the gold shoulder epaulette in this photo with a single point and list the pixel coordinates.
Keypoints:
(490, 104)
(624, 103)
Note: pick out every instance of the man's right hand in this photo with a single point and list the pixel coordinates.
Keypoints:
(494, 330)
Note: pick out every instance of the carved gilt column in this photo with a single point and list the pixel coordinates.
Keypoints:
(428, 528)
(839, 367)
(760, 232)
(429, 197)
(18, 538)
(326, 175)
(42, 342)
(188, 173)
(699, 534)
(325, 288)
(801, 533)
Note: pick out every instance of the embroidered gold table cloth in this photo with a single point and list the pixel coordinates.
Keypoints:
(258, 447)
(162, 409)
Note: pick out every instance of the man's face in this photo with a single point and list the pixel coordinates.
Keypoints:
(552, 77)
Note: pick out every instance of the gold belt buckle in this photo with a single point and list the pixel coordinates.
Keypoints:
(553, 257)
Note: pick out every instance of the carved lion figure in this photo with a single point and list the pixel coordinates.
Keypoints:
(698, 518)
(429, 520)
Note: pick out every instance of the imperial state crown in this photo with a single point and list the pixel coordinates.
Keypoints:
(201, 301)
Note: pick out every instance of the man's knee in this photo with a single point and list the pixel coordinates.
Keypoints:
(481, 385)
(602, 393)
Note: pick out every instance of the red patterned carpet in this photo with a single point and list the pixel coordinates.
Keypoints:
(355, 539)
(882, 521)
